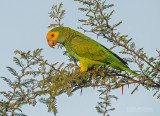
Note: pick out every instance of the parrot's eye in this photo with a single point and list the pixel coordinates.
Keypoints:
(52, 35)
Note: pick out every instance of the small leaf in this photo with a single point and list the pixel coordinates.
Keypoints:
(12, 71)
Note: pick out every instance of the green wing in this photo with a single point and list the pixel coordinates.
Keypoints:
(84, 46)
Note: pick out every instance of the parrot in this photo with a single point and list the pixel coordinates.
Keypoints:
(86, 50)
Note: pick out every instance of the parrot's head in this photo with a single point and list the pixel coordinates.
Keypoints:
(55, 36)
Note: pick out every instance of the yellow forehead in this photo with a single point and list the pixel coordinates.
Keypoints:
(52, 35)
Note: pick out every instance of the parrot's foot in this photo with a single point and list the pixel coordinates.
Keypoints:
(93, 69)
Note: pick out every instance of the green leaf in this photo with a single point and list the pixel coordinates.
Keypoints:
(52, 25)
(136, 88)
(12, 71)
(18, 62)
(60, 6)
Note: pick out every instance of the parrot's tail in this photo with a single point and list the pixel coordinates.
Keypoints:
(131, 71)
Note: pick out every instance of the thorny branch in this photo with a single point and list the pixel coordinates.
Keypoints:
(67, 79)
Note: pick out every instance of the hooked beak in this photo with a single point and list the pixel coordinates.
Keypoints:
(51, 43)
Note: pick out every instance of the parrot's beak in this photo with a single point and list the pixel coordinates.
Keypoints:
(51, 43)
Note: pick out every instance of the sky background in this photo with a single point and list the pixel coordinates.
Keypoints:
(24, 25)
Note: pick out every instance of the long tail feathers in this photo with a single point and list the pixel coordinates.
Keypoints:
(131, 71)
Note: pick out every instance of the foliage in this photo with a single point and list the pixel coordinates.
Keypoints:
(102, 107)
(57, 14)
(39, 80)
(98, 20)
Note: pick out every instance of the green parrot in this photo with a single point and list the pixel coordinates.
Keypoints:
(86, 50)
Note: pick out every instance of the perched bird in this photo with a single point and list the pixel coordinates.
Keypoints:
(86, 50)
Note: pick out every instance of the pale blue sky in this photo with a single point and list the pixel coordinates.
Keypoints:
(23, 26)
